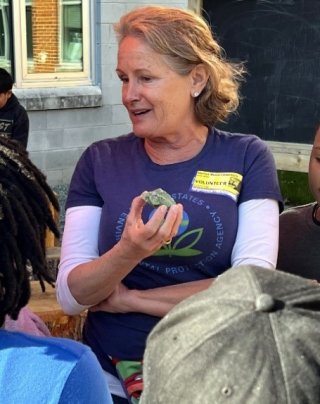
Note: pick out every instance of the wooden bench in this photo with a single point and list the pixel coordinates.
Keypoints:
(45, 305)
(291, 156)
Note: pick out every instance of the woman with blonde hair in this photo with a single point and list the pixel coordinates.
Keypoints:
(129, 262)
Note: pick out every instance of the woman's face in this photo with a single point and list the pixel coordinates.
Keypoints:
(314, 168)
(159, 101)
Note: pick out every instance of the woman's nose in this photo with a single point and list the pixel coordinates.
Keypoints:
(130, 92)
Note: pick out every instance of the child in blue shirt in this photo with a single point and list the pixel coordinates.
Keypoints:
(35, 369)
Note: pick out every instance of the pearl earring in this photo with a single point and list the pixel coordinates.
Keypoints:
(196, 94)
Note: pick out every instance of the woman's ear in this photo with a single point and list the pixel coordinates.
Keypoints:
(199, 77)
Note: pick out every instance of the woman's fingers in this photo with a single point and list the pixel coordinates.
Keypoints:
(135, 212)
(178, 220)
(134, 219)
(146, 238)
(169, 227)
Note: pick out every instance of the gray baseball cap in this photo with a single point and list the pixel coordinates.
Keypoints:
(253, 337)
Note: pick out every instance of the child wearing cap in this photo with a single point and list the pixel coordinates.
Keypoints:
(251, 337)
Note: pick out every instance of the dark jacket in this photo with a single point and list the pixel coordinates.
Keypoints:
(14, 121)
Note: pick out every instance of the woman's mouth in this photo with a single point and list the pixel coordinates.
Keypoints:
(140, 112)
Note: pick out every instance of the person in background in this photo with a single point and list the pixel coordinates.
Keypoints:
(299, 251)
(129, 262)
(14, 120)
(34, 369)
(252, 337)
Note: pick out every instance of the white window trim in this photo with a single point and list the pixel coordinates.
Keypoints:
(195, 5)
(24, 79)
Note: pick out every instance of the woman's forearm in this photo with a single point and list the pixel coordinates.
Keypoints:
(94, 281)
(159, 301)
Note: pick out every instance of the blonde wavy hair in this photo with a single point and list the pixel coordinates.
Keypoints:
(185, 40)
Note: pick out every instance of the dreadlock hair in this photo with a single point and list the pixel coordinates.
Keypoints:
(25, 215)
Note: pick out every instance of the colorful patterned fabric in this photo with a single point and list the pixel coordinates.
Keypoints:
(130, 374)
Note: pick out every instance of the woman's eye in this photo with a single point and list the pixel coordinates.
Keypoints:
(146, 79)
(124, 79)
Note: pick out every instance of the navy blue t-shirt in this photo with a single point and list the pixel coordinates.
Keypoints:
(229, 170)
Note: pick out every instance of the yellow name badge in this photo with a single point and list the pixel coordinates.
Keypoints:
(228, 184)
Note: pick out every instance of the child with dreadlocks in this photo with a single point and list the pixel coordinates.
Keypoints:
(34, 369)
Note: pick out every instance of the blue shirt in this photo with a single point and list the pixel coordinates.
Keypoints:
(38, 370)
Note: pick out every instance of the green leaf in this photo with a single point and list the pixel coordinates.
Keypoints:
(197, 232)
(183, 252)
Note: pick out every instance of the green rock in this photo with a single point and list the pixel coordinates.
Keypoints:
(158, 197)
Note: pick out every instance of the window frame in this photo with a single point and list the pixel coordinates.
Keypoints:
(23, 79)
(6, 18)
(195, 6)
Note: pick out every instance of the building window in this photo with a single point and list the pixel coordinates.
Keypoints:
(5, 36)
(71, 38)
(50, 43)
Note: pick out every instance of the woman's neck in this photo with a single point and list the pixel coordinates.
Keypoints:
(169, 151)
